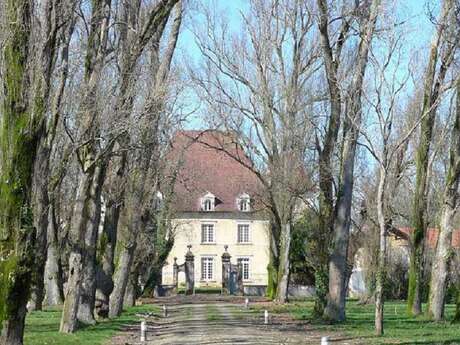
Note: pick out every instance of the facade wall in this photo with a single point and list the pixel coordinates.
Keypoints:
(188, 230)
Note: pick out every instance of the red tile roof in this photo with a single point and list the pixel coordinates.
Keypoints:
(432, 236)
(203, 169)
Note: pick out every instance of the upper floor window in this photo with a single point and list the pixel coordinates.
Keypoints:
(243, 233)
(208, 233)
(208, 202)
(244, 203)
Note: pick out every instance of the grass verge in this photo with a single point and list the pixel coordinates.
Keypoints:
(42, 327)
(399, 328)
(212, 314)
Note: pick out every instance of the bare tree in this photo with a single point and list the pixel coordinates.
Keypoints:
(385, 103)
(87, 206)
(443, 256)
(22, 118)
(57, 27)
(335, 309)
(332, 64)
(141, 169)
(441, 55)
(257, 84)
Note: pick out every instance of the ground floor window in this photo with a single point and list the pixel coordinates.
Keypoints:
(207, 268)
(246, 270)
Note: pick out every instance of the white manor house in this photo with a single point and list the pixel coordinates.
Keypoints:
(217, 209)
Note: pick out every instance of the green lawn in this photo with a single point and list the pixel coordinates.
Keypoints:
(42, 327)
(399, 329)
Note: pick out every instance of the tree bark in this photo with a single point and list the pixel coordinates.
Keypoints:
(53, 269)
(106, 269)
(283, 270)
(457, 306)
(41, 209)
(121, 279)
(13, 330)
(443, 256)
(88, 286)
(129, 300)
(79, 223)
(381, 274)
(20, 133)
(335, 309)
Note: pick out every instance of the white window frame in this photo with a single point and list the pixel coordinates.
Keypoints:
(208, 202)
(241, 238)
(246, 263)
(208, 233)
(243, 203)
(207, 268)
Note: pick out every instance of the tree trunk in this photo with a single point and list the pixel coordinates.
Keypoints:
(79, 223)
(335, 309)
(284, 266)
(88, 194)
(443, 256)
(122, 276)
(88, 286)
(326, 180)
(440, 269)
(41, 209)
(53, 269)
(457, 306)
(272, 268)
(380, 276)
(108, 243)
(20, 134)
(13, 330)
(129, 300)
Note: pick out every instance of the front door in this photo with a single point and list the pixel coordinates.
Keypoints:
(233, 282)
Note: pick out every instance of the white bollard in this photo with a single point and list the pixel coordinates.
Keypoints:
(266, 317)
(143, 331)
(165, 310)
(246, 303)
(325, 341)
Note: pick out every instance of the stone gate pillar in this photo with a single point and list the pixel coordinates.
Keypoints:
(226, 266)
(175, 274)
(189, 271)
(240, 287)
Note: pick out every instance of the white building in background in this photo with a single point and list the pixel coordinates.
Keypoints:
(217, 204)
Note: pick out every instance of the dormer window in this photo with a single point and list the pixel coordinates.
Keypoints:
(208, 202)
(244, 203)
(158, 200)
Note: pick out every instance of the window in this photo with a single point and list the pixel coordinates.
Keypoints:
(208, 202)
(243, 233)
(207, 233)
(158, 200)
(207, 205)
(245, 263)
(207, 268)
(244, 203)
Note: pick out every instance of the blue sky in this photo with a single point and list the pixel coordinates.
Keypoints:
(413, 12)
